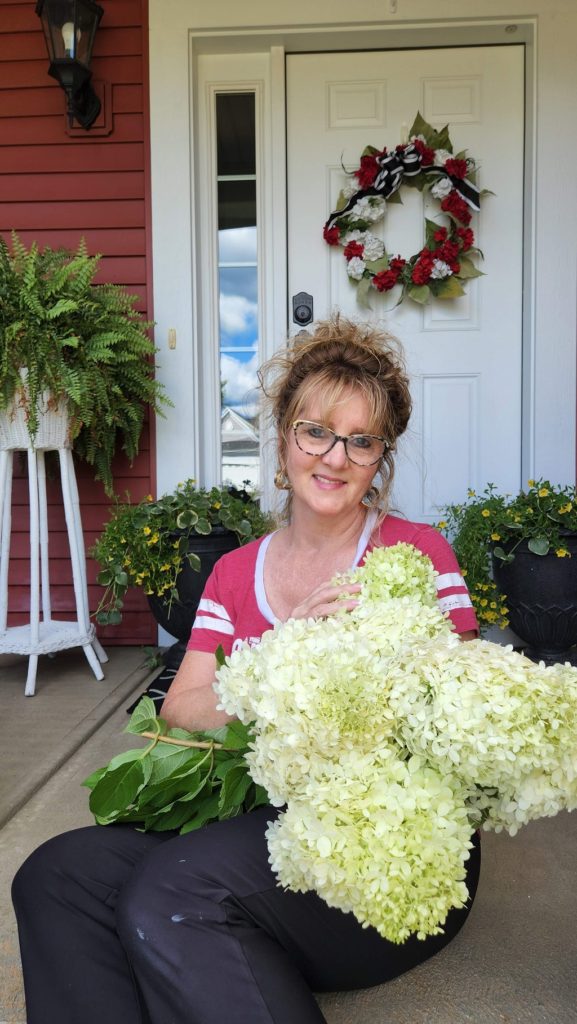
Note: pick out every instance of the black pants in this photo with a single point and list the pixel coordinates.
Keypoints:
(121, 927)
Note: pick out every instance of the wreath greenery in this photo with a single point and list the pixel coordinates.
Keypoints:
(425, 162)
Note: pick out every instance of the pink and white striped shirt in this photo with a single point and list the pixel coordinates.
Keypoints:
(234, 606)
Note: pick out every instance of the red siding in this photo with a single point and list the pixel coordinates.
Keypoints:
(55, 189)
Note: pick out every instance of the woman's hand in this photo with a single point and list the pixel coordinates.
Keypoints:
(326, 599)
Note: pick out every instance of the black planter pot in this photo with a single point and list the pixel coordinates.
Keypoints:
(541, 592)
(177, 619)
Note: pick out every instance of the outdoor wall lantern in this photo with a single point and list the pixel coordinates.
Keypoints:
(69, 27)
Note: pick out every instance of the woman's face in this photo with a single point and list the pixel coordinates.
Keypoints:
(331, 484)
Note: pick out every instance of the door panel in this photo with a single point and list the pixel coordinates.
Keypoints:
(463, 355)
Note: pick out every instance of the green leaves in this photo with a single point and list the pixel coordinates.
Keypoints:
(84, 343)
(175, 785)
(363, 292)
(143, 719)
(150, 543)
(538, 545)
(420, 293)
(448, 288)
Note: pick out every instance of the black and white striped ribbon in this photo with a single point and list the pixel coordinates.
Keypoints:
(393, 168)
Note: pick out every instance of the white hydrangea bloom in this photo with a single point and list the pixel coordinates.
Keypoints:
(440, 270)
(356, 268)
(441, 188)
(388, 741)
(376, 835)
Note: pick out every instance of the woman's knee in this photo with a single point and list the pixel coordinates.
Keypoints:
(47, 868)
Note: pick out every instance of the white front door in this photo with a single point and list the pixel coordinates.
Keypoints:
(463, 355)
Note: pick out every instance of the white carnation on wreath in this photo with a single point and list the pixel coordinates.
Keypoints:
(356, 268)
(441, 188)
(374, 247)
(369, 208)
(440, 270)
(355, 236)
(349, 189)
(441, 157)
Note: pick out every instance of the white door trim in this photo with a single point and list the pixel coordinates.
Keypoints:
(272, 40)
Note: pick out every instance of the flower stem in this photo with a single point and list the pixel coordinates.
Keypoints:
(198, 744)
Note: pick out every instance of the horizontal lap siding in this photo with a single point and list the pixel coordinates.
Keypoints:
(56, 189)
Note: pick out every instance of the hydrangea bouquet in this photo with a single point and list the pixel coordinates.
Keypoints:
(387, 741)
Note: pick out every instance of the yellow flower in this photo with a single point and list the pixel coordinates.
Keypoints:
(562, 553)
(543, 492)
(153, 540)
(483, 602)
(149, 497)
(471, 493)
(165, 567)
(146, 530)
(441, 525)
(217, 504)
(493, 604)
(495, 536)
(531, 483)
(485, 513)
(565, 508)
(176, 544)
(463, 572)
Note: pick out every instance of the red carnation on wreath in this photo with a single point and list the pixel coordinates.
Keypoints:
(446, 261)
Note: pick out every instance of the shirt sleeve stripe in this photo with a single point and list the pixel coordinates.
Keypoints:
(448, 604)
(205, 605)
(449, 579)
(216, 625)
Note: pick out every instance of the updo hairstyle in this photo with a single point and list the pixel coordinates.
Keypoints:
(339, 356)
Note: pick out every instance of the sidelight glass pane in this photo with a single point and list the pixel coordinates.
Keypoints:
(235, 133)
(238, 287)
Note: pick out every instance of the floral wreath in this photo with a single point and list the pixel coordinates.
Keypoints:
(426, 161)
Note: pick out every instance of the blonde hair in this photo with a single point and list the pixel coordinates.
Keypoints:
(342, 355)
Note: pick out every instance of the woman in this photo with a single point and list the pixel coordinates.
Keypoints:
(128, 927)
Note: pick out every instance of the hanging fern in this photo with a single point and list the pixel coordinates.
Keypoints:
(84, 343)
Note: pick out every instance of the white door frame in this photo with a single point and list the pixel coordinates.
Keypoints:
(188, 380)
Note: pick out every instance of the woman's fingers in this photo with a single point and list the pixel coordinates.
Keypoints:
(327, 599)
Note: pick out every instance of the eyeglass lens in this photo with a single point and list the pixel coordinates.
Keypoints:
(315, 439)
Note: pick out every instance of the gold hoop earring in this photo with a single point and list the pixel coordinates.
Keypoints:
(281, 480)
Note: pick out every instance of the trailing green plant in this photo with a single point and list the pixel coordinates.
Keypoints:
(147, 544)
(84, 344)
(491, 524)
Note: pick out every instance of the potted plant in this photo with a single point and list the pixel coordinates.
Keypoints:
(169, 545)
(516, 552)
(69, 345)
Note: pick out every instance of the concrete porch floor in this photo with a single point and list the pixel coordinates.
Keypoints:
(515, 960)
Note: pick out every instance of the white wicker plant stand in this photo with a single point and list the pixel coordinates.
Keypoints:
(43, 634)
